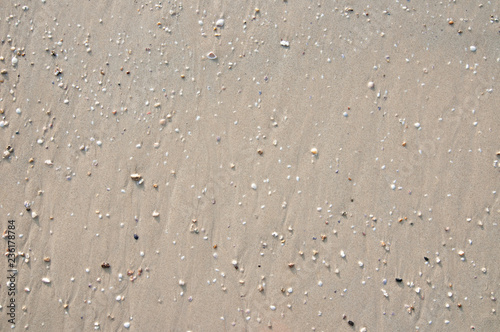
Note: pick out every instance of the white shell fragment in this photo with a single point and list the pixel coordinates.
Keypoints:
(46, 280)
(220, 22)
(285, 43)
(211, 56)
(156, 213)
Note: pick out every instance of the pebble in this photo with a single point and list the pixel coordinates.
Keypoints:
(473, 48)
(417, 125)
(314, 151)
(370, 85)
(126, 325)
(46, 280)
(14, 61)
(156, 213)
(254, 186)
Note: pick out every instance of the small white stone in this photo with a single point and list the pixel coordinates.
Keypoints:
(99, 143)
(14, 61)
(254, 186)
(272, 307)
(314, 151)
(320, 283)
(156, 213)
(285, 43)
(126, 325)
(360, 263)
(118, 298)
(290, 290)
(46, 280)
(417, 125)
(370, 85)
(18, 111)
(342, 253)
(473, 48)
(181, 282)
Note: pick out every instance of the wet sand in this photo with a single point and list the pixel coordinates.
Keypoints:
(250, 166)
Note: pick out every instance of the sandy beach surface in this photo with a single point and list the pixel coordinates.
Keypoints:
(250, 165)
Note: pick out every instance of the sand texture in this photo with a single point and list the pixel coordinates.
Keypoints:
(250, 165)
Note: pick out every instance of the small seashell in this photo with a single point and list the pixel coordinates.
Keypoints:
(461, 253)
(314, 151)
(135, 177)
(370, 85)
(46, 280)
(211, 56)
(285, 43)
(220, 22)
(49, 162)
(181, 282)
(156, 213)
(34, 215)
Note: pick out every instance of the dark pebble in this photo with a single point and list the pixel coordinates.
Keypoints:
(399, 280)
(136, 236)
(426, 259)
(351, 323)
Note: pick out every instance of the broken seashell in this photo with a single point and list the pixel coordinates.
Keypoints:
(135, 176)
(285, 43)
(211, 56)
